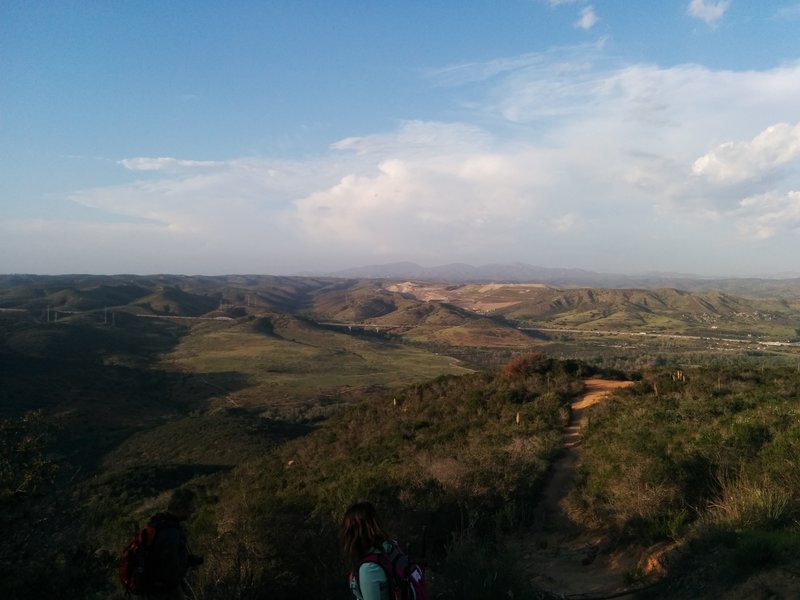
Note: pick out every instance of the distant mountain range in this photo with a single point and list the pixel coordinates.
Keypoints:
(524, 273)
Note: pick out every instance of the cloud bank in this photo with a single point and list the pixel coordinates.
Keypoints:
(733, 162)
(566, 162)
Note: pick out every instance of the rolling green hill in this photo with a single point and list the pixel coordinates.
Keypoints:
(656, 308)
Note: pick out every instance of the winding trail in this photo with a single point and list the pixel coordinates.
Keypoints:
(561, 557)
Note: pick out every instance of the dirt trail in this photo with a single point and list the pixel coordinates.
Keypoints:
(560, 557)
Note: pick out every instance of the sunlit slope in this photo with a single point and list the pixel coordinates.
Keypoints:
(478, 333)
(353, 301)
(416, 319)
(656, 310)
(289, 361)
(666, 310)
(449, 325)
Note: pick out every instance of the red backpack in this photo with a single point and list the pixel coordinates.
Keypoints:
(406, 578)
(136, 568)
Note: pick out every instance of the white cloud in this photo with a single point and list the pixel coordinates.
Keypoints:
(165, 163)
(458, 197)
(420, 138)
(764, 216)
(619, 141)
(734, 162)
(566, 161)
(560, 2)
(588, 18)
(630, 138)
(709, 11)
(239, 199)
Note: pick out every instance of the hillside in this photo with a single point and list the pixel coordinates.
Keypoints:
(406, 304)
(293, 364)
(657, 310)
(419, 396)
(459, 273)
(480, 324)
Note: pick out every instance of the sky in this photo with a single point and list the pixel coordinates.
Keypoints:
(298, 136)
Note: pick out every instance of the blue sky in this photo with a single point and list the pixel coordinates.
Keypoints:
(294, 136)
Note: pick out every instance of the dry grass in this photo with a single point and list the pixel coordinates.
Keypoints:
(745, 502)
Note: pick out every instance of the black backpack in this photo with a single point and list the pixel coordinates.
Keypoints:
(136, 563)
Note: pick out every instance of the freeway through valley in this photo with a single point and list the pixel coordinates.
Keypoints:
(671, 336)
(377, 327)
(594, 332)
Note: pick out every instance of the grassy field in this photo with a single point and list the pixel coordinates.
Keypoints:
(290, 363)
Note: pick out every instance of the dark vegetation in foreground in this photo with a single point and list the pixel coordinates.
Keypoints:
(98, 424)
(463, 456)
(700, 464)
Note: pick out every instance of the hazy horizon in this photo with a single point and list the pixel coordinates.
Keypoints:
(425, 267)
(283, 138)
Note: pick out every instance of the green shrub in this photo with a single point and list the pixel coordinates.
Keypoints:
(655, 463)
(476, 570)
(757, 549)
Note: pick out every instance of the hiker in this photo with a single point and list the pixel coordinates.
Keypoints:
(171, 556)
(362, 534)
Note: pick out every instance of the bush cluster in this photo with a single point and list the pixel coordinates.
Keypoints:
(708, 454)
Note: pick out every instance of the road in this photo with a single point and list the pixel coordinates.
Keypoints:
(671, 336)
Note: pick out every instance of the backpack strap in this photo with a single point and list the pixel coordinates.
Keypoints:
(386, 558)
(377, 558)
(396, 555)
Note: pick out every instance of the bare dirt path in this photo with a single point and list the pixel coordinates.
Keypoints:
(561, 558)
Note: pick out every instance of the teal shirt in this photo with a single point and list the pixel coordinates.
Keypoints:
(372, 583)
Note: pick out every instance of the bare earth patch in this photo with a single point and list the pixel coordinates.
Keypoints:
(476, 297)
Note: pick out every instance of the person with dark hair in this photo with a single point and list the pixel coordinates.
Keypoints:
(171, 557)
(363, 534)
